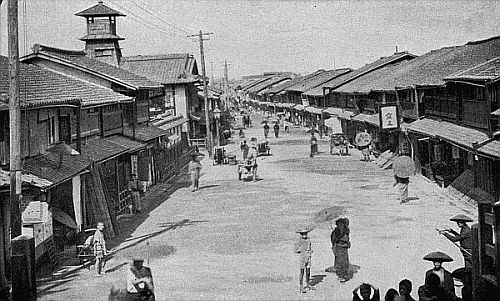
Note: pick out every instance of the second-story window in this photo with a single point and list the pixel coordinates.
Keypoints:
(53, 130)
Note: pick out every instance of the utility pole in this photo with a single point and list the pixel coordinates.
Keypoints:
(205, 91)
(226, 84)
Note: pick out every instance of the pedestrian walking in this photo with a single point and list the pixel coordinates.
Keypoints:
(140, 284)
(445, 278)
(194, 168)
(391, 295)
(405, 288)
(134, 187)
(251, 159)
(402, 185)
(433, 290)
(314, 144)
(244, 149)
(340, 245)
(464, 237)
(276, 129)
(266, 130)
(304, 249)
(100, 250)
(366, 292)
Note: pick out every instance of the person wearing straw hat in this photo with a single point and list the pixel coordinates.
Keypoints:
(464, 238)
(445, 278)
(303, 248)
(140, 284)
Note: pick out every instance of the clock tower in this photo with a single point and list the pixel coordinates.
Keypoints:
(101, 41)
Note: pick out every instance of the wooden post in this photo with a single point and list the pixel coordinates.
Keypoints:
(476, 270)
(12, 212)
(496, 213)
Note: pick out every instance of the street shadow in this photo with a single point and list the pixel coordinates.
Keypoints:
(169, 226)
(51, 285)
(413, 198)
(315, 279)
(115, 268)
(344, 275)
(208, 186)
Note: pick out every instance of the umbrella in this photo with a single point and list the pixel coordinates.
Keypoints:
(363, 139)
(461, 273)
(328, 214)
(63, 218)
(264, 121)
(438, 257)
(404, 167)
(461, 218)
(304, 229)
(312, 131)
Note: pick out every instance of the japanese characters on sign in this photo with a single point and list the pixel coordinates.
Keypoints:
(389, 118)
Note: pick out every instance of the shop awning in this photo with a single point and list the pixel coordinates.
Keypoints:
(174, 137)
(25, 178)
(144, 133)
(172, 124)
(195, 116)
(128, 143)
(50, 168)
(368, 118)
(496, 112)
(346, 115)
(313, 110)
(333, 111)
(102, 149)
(299, 107)
(456, 134)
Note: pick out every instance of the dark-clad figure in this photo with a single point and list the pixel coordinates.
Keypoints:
(391, 295)
(304, 249)
(314, 145)
(405, 288)
(432, 290)
(244, 148)
(366, 292)
(464, 237)
(266, 130)
(340, 245)
(134, 189)
(140, 282)
(276, 129)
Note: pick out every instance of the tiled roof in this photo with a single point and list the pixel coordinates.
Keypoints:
(26, 179)
(104, 36)
(457, 134)
(487, 71)
(165, 69)
(100, 69)
(126, 142)
(333, 111)
(41, 87)
(317, 80)
(267, 83)
(313, 110)
(99, 10)
(255, 82)
(427, 70)
(49, 167)
(169, 122)
(144, 133)
(101, 149)
(363, 71)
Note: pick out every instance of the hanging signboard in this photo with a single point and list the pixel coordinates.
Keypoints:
(389, 118)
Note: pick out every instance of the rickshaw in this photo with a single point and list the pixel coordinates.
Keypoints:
(263, 148)
(340, 142)
(246, 168)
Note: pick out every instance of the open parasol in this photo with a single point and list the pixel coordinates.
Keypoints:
(438, 257)
(404, 167)
(461, 218)
(328, 214)
(363, 139)
(264, 121)
(63, 218)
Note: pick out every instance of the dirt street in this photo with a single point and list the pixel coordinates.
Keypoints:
(232, 240)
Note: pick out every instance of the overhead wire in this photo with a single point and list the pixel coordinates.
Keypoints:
(147, 10)
(145, 22)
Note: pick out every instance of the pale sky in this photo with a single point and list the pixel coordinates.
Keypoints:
(276, 35)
